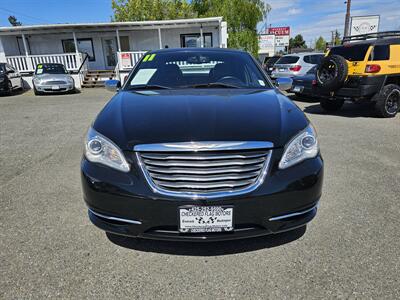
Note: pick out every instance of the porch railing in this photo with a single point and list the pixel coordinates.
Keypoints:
(27, 64)
(127, 60)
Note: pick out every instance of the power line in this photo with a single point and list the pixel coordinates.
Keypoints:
(26, 16)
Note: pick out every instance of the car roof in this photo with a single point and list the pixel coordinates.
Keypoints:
(379, 41)
(305, 54)
(198, 50)
(50, 64)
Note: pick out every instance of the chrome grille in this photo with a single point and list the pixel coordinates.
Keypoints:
(204, 173)
(54, 82)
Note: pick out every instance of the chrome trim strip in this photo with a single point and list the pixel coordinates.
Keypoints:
(203, 146)
(115, 218)
(211, 195)
(294, 214)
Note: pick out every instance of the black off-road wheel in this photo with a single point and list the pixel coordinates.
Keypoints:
(332, 72)
(331, 105)
(387, 101)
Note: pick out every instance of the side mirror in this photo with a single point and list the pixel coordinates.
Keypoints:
(284, 83)
(113, 85)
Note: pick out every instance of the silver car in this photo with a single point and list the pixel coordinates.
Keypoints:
(51, 78)
(296, 64)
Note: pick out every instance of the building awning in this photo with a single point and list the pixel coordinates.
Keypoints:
(98, 27)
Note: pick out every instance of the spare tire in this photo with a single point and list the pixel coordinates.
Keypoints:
(332, 72)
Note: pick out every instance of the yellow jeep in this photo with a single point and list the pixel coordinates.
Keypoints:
(363, 68)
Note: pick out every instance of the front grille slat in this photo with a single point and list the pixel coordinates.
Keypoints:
(200, 157)
(204, 163)
(204, 178)
(206, 174)
(204, 186)
(214, 170)
(54, 82)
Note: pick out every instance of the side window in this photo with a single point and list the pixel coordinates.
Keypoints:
(307, 59)
(316, 59)
(380, 52)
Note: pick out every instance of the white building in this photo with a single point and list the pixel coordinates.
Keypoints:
(103, 48)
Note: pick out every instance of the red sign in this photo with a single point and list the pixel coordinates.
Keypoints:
(279, 31)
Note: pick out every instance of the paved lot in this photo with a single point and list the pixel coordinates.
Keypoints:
(48, 248)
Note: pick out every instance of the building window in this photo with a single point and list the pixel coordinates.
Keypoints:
(21, 48)
(84, 46)
(124, 40)
(193, 40)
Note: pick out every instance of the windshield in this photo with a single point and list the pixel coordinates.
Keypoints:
(351, 52)
(272, 60)
(50, 69)
(197, 69)
(287, 60)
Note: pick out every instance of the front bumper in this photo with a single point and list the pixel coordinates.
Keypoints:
(124, 204)
(55, 88)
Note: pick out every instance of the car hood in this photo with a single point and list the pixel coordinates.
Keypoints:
(47, 77)
(145, 117)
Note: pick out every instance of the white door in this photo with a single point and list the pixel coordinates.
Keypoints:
(110, 52)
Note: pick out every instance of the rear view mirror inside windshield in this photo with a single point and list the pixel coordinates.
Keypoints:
(198, 60)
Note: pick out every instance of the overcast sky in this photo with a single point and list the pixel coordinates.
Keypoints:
(308, 17)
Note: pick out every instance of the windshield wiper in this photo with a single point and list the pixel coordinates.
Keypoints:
(148, 87)
(211, 85)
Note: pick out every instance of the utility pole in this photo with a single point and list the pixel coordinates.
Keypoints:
(268, 9)
(347, 19)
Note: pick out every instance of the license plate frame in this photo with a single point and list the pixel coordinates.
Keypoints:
(55, 87)
(205, 219)
(298, 89)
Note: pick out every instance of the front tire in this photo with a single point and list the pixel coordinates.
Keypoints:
(21, 85)
(36, 92)
(9, 89)
(331, 105)
(387, 101)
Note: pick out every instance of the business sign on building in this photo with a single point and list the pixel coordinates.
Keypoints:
(364, 25)
(282, 35)
(279, 31)
(266, 43)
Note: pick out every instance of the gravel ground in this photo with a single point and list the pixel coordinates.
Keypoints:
(49, 249)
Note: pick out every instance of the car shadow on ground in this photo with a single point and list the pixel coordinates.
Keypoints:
(305, 99)
(349, 110)
(208, 248)
(16, 92)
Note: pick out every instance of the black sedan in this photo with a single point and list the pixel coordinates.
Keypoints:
(10, 79)
(198, 145)
(306, 85)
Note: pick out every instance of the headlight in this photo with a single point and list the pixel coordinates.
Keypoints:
(100, 149)
(303, 146)
(70, 79)
(37, 81)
